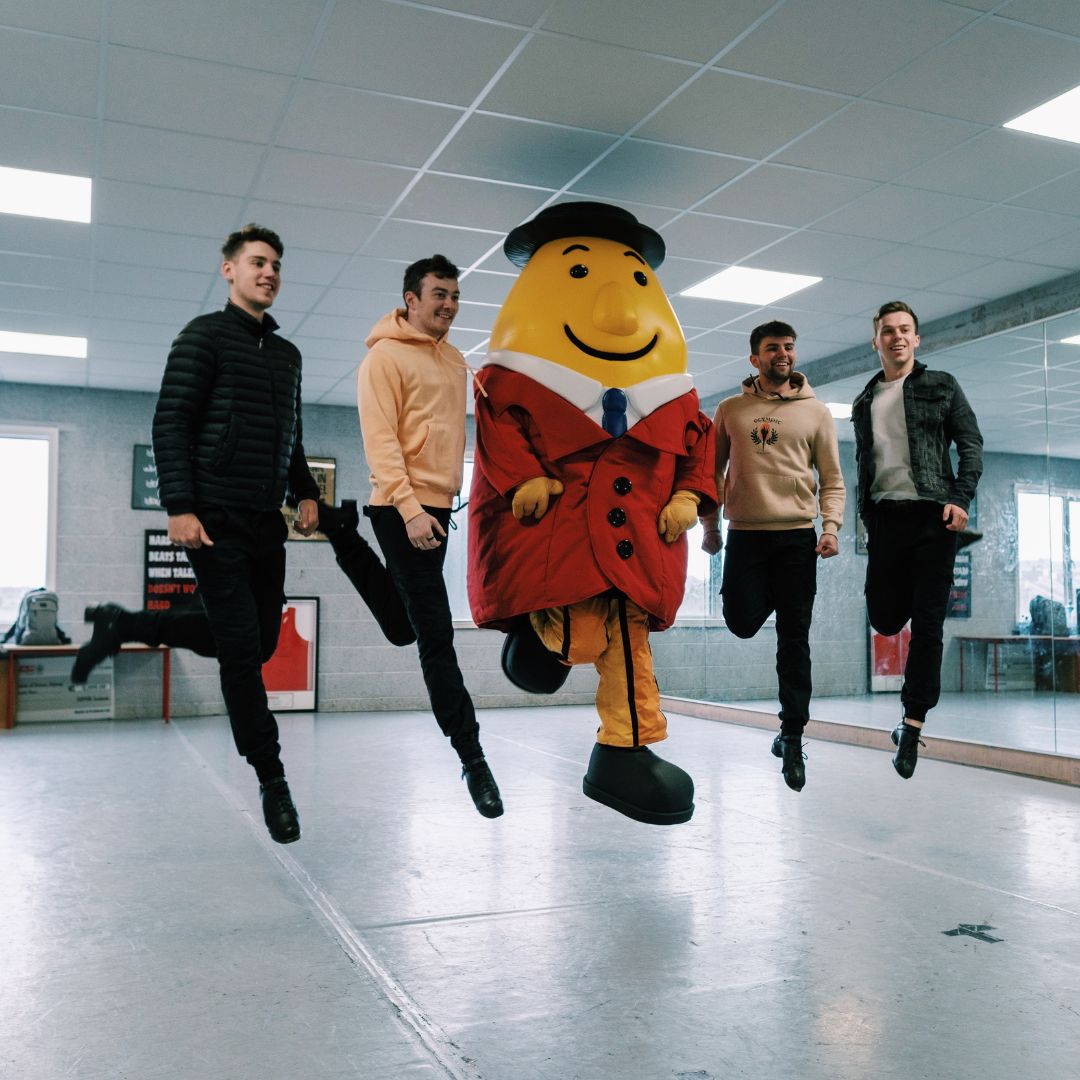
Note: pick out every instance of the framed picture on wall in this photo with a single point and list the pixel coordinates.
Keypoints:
(324, 470)
(291, 675)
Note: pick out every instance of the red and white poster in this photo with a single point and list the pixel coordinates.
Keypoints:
(888, 655)
(291, 674)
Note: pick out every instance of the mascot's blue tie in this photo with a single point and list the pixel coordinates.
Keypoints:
(614, 421)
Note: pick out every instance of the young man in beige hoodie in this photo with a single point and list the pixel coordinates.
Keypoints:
(770, 441)
(411, 389)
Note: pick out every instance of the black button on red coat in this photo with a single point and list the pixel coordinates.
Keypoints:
(622, 485)
(617, 517)
(624, 549)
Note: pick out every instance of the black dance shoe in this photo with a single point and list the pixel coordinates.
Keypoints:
(482, 787)
(279, 813)
(337, 520)
(528, 664)
(789, 747)
(907, 741)
(104, 642)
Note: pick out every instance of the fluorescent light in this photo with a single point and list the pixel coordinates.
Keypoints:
(43, 194)
(839, 410)
(1074, 340)
(1059, 118)
(42, 344)
(741, 285)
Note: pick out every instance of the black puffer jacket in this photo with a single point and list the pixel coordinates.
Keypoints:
(227, 429)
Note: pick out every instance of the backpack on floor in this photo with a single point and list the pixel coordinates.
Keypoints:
(36, 622)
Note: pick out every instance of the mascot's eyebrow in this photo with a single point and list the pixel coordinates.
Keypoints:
(576, 247)
(634, 255)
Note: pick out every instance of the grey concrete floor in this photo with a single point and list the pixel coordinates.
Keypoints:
(151, 931)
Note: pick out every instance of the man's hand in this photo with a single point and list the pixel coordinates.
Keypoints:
(308, 520)
(423, 530)
(187, 531)
(532, 497)
(955, 519)
(678, 516)
(828, 546)
(712, 542)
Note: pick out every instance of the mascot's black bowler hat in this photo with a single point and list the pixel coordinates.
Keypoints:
(584, 219)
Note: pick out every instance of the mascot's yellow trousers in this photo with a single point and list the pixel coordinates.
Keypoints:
(611, 632)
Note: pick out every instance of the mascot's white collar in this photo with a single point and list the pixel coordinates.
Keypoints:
(587, 394)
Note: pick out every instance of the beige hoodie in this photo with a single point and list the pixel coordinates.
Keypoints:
(768, 448)
(411, 392)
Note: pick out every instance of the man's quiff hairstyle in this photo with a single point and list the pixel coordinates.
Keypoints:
(891, 308)
(250, 232)
(770, 329)
(439, 265)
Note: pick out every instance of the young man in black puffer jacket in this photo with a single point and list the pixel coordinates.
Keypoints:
(228, 445)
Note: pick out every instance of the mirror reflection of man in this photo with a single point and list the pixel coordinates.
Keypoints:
(777, 468)
(914, 506)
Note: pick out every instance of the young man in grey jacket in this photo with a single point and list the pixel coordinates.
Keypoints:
(913, 506)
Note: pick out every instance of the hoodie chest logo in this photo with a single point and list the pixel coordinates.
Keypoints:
(765, 432)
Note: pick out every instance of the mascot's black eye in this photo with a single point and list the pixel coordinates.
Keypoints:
(640, 278)
(579, 270)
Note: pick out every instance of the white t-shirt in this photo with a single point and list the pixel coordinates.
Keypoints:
(893, 478)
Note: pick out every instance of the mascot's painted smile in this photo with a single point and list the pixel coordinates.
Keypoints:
(601, 355)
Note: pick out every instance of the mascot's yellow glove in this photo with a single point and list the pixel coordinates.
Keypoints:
(532, 497)
(679, 514)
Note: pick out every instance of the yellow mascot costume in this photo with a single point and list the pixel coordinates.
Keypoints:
(592, 460)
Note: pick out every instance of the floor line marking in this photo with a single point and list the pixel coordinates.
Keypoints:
(447, 1055)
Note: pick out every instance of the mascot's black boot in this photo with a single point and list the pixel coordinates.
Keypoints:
(365, 570)
(528, 664)
(637, 783)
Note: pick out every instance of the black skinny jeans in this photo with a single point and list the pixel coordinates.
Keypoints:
(775, 571)
(909, 576)
(418, 576)
(242, 585)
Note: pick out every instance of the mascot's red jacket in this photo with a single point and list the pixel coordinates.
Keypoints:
(601, 532)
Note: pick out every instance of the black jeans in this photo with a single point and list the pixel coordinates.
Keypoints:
(418, 576)
(775, 571)
(242, 585)
(909, 576)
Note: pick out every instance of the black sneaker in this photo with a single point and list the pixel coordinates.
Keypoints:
(335, 519)
(789, 747)
(279, 813)
(907, 742)
(104, 642)
(482, 787)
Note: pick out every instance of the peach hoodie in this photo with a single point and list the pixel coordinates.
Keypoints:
(411, 392)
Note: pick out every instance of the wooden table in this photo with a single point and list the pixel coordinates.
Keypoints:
(15, 653)
(1058, 645)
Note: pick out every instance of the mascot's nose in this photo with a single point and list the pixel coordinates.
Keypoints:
(613, 311)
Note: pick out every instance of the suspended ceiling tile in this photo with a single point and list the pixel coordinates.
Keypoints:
(447, 200)
(891, 211)
(373, 127)
(165, 209)
(248, 33)
(47, 142)
(584, 84)
(999, 231)
(877, 40)
(293, 176)
(637, 171)
(739, 115)
(724, 240)
(50, 74)
(409, 51)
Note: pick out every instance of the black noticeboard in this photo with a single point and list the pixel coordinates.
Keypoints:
(144, 480)
(168, 580)
(960, 594)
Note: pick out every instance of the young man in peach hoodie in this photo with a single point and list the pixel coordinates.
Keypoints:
(771, 440)
(411, 389)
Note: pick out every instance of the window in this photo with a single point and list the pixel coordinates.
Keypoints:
(1047, 528)
(28, 464)
(455, 569)
(703, 573)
